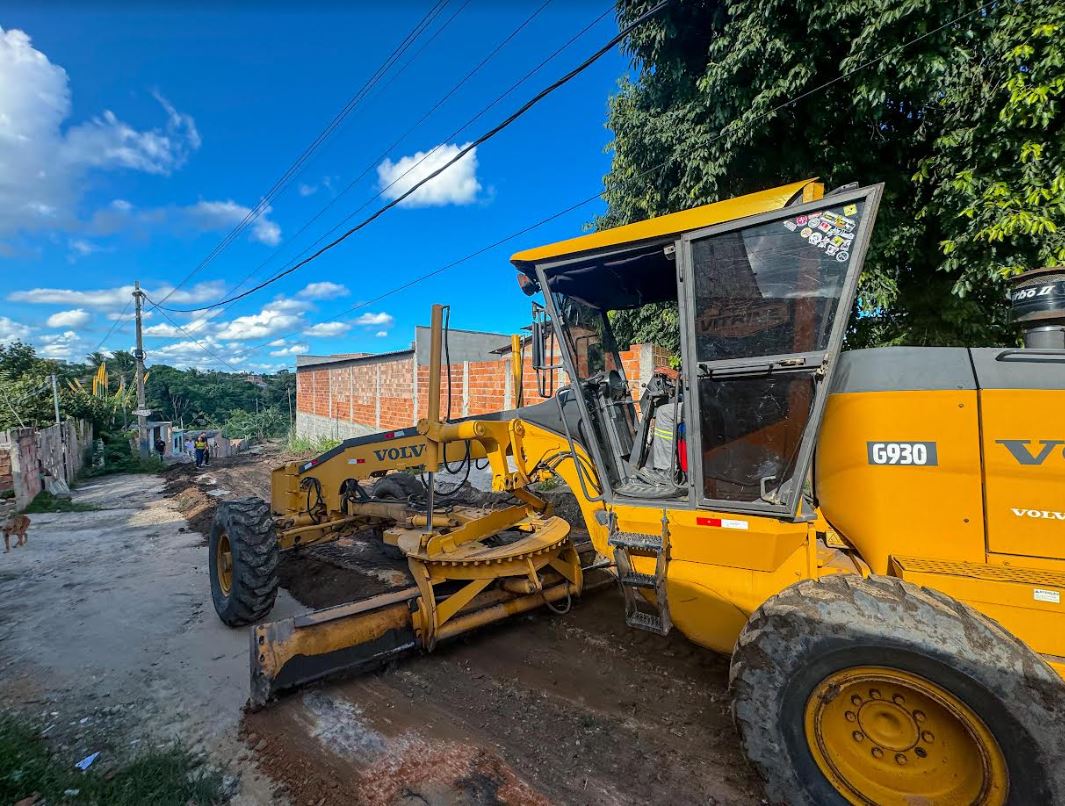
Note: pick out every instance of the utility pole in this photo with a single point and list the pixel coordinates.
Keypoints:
(142, 419)
(55, 399)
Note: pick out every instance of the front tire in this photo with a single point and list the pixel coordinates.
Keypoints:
(851, 690)
(244, 560)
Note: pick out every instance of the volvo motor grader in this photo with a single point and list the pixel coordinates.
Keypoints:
(876, 536)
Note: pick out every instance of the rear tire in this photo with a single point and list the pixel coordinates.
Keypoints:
(244, 559)
(828, 672)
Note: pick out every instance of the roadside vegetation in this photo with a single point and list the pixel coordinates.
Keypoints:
(46, 502)
(29, 769)
(300, 444)
(963, 124)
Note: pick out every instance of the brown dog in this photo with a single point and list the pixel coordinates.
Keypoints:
(15, 525)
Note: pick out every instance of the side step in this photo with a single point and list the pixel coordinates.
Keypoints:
(640, 611)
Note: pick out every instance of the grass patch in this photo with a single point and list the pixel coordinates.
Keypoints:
(125, 464)
(46, 502)
(299, 444)
(165, 777)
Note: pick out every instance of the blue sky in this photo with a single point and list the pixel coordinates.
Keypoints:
(132, 141)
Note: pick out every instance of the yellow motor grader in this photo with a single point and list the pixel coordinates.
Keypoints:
(876, 536)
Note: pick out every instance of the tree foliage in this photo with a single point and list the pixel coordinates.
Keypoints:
(964, 127)
(173, 394)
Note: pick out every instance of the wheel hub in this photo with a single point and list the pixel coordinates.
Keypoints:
(884, 736)
(224, 564)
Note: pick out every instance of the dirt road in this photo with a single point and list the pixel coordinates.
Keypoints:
(107, 634)
(108, 637)
(573, 709)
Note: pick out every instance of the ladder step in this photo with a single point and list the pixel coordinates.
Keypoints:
(636, 542)
(645, 621)
(637, 580)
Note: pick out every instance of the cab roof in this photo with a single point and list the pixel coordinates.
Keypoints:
(763, 201)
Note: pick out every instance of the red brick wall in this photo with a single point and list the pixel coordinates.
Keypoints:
(350, 394)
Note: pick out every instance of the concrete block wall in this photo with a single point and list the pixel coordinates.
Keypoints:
(20, 447)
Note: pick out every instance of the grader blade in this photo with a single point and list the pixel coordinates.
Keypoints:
(354, 637)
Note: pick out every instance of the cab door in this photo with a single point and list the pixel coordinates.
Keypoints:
(766, 301)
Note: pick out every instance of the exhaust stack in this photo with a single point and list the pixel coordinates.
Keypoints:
(1037, 299)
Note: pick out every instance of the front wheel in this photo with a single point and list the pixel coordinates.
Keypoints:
(851, 690)
(244, 559)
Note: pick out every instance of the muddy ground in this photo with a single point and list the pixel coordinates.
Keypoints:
(119, 631)
(570, 709)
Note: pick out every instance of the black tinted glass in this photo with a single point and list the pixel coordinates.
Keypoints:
(772, 289)
(752, 429)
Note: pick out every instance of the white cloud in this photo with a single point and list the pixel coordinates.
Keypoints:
(117, 297)
(273, 319)
(371, 319)
(170, 331)
(217, 215)
(327, 329)
(203, 216)
(294, 349)
(82, 248)
(288, 305)
(10, 330)
(78, 317)
(197, 353)
(306, 189)
(456, 185)
(277, 343)
(323, 290)
(59, 345)
(381, 334)
(44, 167)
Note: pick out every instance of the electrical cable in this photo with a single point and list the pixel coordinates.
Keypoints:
(462, 152)
(295, 168)
(113, 326)
(193, 339)
(377, 160)
(583, 202)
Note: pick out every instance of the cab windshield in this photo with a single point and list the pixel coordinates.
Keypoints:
(589, 338)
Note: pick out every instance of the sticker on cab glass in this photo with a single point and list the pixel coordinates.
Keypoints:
(806, 232)
(790, 225)
(850, 209)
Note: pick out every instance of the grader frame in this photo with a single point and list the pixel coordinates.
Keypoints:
(851, 683)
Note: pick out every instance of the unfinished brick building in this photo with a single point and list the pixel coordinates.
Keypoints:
(356, 393)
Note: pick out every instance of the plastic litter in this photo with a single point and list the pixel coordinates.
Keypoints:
(86, 762)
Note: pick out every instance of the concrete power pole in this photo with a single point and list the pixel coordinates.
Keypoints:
(142, 418)
(55, 399)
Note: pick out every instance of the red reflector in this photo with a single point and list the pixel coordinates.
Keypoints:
(708, 521)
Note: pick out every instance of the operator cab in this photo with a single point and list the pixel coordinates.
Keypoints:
(759, 288)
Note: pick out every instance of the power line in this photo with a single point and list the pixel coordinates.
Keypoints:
(412, 128)
(193, 339)
(488, 135)
(653, 168)
(113, 326)
(295, 168)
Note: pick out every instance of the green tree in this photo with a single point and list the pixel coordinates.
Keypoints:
(964, 127)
